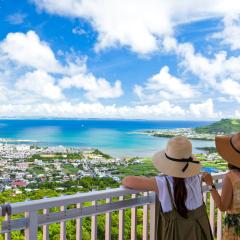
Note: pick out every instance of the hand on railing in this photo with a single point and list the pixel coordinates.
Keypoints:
(207, 178)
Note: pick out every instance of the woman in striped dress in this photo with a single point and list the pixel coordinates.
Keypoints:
(229, 149)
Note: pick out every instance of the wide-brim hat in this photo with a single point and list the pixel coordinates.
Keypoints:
(177, 159)
(227, 150)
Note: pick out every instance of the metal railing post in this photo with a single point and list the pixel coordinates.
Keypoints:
(145, 220)
(153, 219)
(78, 225)
(32, 227)
(219, 220)
(8, 235)
(94, 223)
(133, 221)
(45, 227)
(108, 223)
(63, 226)
(121, 222)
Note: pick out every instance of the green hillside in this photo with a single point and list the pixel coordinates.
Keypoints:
(224, 126)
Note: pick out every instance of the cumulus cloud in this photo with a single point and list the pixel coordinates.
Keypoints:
(28, 50)
(84, 110)
(231, 32)
(164, 86)
(162, 110)
(40, 84)
(219, 73)
(149, 27)
(203, 110)
(32, 64)
(207, 69)
(95, 88)
(137, 24)
(230, 88)
(166, 82)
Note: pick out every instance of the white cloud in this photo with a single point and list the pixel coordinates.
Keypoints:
(231, 88)
(164, 86)
(221, 74)
(95, 88)
(27, 62)
(28, 50)
(203, 110)
(163, 110)
(40, 84)
(207, 69)
(138, 24)
(145, 29)
(166, 82)
(211, 71)
(231, 32)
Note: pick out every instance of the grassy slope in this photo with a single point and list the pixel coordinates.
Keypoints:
(146, 168)
(224, 126)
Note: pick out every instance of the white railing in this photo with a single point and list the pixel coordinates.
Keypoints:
(37, 213)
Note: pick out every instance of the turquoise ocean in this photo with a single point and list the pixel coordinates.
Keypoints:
(118, 138)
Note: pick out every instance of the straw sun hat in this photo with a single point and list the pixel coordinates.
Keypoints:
(177, 159)
(229, 148)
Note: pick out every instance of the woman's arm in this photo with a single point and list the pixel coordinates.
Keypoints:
(224, 201)
(140, 183)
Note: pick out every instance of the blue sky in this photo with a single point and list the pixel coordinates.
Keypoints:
(120, 59)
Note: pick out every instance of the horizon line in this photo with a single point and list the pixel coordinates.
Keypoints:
(122, 119)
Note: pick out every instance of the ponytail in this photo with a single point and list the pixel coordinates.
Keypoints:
(180, 196)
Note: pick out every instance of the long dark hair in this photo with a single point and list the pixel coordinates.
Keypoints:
(180, 196)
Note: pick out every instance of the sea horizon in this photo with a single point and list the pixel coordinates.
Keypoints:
(110, 119)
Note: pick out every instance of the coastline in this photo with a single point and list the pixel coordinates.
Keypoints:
(119, 138)
(187, 132)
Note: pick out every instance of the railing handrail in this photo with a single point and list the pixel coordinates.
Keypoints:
(35, 205)
(115, 199)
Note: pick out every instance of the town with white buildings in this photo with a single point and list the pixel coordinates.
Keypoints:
(25, 166)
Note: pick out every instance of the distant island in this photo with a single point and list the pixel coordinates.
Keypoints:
(208, 133)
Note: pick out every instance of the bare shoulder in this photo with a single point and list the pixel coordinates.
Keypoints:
(227, 183)
(232, 176)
